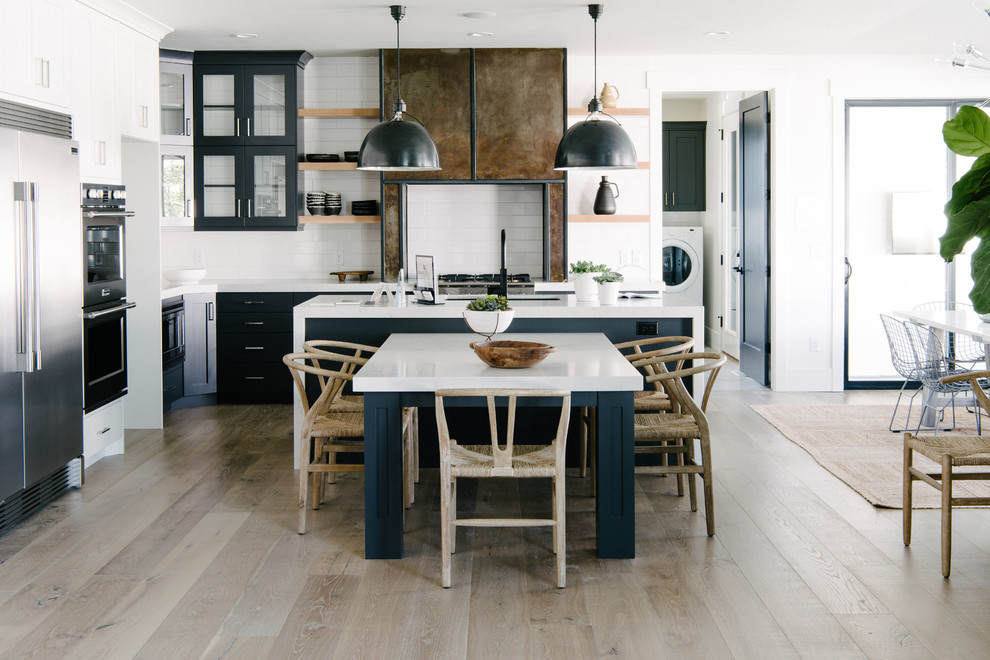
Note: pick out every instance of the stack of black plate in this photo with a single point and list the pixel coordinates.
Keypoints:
(323, 158)
(350, 156)
(364, 207)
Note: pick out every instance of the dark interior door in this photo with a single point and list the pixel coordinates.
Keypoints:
(754, 331)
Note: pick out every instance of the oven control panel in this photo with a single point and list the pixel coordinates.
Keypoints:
(103, 196)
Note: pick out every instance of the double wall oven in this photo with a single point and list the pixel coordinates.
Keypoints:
(104, 295)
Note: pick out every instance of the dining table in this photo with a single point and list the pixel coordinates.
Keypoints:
(409, 368)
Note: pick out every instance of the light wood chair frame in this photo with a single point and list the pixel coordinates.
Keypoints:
(321, 445)
(501, 460)
(355, 403)
(949, 451)
(683, 446)
(655, 399)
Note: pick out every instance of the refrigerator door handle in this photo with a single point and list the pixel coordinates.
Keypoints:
(27, 276)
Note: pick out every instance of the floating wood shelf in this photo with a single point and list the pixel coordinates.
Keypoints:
(642, 112)
(339, 219)
(607, 218)
(334, 167)
(339, 112)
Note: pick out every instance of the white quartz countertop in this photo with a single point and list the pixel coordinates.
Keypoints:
(418, 362)
(331, 285)
(171, 291)
(563, 306)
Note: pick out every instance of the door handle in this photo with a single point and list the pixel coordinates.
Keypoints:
(849, 270)
(188, 129)
(249, 126)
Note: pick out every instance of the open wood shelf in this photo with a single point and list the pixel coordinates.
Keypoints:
(339, 112)
(339, 219)
(641, 112)
(328, 167)
(607, 218)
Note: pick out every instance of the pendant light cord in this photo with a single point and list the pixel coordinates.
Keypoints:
(398, 54)
(595, 88)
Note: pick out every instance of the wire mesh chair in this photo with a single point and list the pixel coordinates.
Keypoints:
(902, 356)
(961, 348)
(931, 366)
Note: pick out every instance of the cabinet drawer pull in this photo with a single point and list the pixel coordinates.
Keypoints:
(254, 323)
(103, 431)
(254, 348)
(254, 378)
(254, 302)
(173, 387)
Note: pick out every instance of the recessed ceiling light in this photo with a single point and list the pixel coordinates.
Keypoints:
(245, 35)
(479, 14)
(716, 33)
(481, 34)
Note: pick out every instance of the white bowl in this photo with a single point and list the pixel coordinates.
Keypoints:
(185, 275)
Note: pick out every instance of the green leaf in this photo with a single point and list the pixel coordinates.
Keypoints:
(970, 222)
(968, 133)
(973, 185)
(980, 265)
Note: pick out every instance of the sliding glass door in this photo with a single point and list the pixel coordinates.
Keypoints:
(898, 177)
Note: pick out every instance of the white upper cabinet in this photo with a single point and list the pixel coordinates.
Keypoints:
(137, 84)
(94, 124)
(34, 41)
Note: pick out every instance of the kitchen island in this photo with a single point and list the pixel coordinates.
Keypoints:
(348, 318)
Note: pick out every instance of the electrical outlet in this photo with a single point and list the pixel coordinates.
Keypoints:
(814, 345)
(647, 328)
(199, 260)
(339, 258)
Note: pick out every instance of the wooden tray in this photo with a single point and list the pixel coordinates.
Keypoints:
(362, 274)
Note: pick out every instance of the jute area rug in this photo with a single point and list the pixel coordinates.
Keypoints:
(853, 443)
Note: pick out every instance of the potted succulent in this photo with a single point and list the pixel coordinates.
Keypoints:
(608, 287)
(488, 315)
(968, 210)
(583, 274)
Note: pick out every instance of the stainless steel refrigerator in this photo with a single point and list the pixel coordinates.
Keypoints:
(41, 409)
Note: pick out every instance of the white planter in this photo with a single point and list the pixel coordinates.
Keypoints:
(488, 323)
(608, 293)
(585, 287)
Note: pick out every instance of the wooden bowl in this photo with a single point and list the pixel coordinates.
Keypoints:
(506, 354)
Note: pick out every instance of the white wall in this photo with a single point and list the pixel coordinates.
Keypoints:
(143, 402)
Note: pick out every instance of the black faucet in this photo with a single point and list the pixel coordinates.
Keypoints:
(503, 279)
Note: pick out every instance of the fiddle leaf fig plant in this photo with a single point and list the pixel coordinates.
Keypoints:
(968, 210)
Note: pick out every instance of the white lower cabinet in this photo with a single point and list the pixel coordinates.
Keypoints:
(103, 432)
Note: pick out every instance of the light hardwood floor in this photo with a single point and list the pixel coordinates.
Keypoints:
(185, 547)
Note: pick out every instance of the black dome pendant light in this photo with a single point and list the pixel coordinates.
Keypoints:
(398, 145)
(596, 143)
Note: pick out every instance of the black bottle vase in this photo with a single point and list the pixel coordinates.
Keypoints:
(605, 199)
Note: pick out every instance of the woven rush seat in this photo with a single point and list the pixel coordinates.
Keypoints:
(479, 460)
(669, 426)
(339, 425)
(651, 401)
(967, 450)
(348, 403)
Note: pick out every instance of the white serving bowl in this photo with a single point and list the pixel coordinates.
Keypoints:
(185, 275)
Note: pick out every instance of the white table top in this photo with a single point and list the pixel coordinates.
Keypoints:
(426, 362)
(962, 321)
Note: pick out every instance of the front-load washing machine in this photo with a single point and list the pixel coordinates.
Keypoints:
(683, 266)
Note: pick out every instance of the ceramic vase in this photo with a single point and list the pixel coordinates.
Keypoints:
(605, 198)
(585, 287)
(488, 323)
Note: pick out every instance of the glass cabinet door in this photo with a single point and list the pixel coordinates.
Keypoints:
(270, 99)
(219, 177)
(220, 106)
(175, 101)
(271, 187)
(176, 185)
